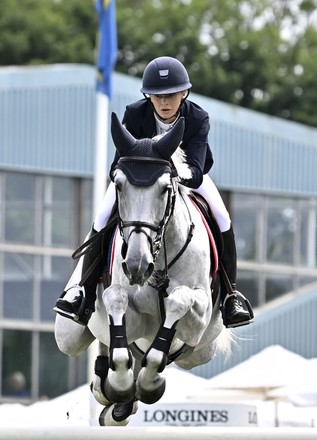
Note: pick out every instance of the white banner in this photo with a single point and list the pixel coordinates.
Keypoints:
(195, 414)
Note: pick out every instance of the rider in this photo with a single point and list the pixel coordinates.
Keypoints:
(166, 86)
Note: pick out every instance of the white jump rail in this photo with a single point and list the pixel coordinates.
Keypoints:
(156, 433)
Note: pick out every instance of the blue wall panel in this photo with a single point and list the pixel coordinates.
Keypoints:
(47, 124)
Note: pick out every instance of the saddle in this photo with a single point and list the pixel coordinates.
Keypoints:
(215, 237)
(210, 220)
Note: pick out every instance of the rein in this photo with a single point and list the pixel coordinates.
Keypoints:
(189, 236)
(88, 245)
(161, 277)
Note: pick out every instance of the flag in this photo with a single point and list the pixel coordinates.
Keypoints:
(107, 44)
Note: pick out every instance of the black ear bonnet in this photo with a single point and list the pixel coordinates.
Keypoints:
(143, 161)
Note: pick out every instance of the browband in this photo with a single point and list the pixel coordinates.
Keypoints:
(144, 159)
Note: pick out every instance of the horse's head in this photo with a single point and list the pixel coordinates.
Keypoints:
(143, 179)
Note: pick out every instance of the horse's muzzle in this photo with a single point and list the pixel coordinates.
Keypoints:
(136, 272)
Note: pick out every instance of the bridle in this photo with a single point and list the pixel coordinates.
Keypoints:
(160, 278)
(139, 227)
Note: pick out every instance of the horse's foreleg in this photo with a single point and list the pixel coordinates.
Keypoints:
(182, 302)
(150, 385)
(190, 310)
(120, 380)
(113, 414)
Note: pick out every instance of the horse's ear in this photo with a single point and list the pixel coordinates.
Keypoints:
(171, 140)
(123, 140)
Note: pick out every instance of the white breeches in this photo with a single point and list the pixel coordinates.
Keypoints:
(105, 209)
(210, 193)
(207, 189)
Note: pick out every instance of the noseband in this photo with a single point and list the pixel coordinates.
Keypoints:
(139, 227)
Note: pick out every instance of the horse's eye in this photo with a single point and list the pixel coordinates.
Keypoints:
(118, 186)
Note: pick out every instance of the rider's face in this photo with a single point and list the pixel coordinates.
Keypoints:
(166, 106)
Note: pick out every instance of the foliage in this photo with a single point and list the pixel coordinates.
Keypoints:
(257, 54)
(47, 31)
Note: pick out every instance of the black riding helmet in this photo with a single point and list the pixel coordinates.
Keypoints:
(165, 75)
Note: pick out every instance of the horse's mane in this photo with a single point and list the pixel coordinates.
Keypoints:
(179, 159)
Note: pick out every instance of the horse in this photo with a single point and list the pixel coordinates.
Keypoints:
(158, 308)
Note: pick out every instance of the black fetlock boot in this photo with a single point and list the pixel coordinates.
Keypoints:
(236, 309)
(81, 307)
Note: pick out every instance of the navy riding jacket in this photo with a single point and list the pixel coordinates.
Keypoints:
(140, 122)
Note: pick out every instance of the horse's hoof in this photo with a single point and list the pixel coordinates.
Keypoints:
(120, 396)
(106, 417)
(150, 396)
(122, 411)
(120, 384)
(98, 393)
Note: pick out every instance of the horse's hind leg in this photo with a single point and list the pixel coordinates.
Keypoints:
(98, 383)
(120, 386)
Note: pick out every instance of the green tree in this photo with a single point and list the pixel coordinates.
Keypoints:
(257, 54)
(47, 31)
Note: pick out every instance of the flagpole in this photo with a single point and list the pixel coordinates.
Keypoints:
(101, 158)
(107, 53)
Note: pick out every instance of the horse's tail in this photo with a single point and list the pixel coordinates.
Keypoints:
(225, 342)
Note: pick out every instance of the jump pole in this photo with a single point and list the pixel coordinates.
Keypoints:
(156, 433)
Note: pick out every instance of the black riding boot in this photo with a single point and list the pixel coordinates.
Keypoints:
(82, 306)
(236, 309)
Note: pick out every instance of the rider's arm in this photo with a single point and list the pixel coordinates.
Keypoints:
(196, 146)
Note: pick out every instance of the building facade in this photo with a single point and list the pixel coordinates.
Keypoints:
(264, 166)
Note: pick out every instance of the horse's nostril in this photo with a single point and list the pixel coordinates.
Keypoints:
(149, 271)
(125, 270)
(134, 275)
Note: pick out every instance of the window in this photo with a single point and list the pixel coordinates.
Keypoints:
(22, 351)
(248, 284)
(58, 211)
(16, 363)
(20, 208)
(273, 235)
(18, 285)
(42, 220)
(277, 285)
(54, 274)
(282, 224)
(31, 284)
(42, 210)
(245, 212)
(53, 368)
